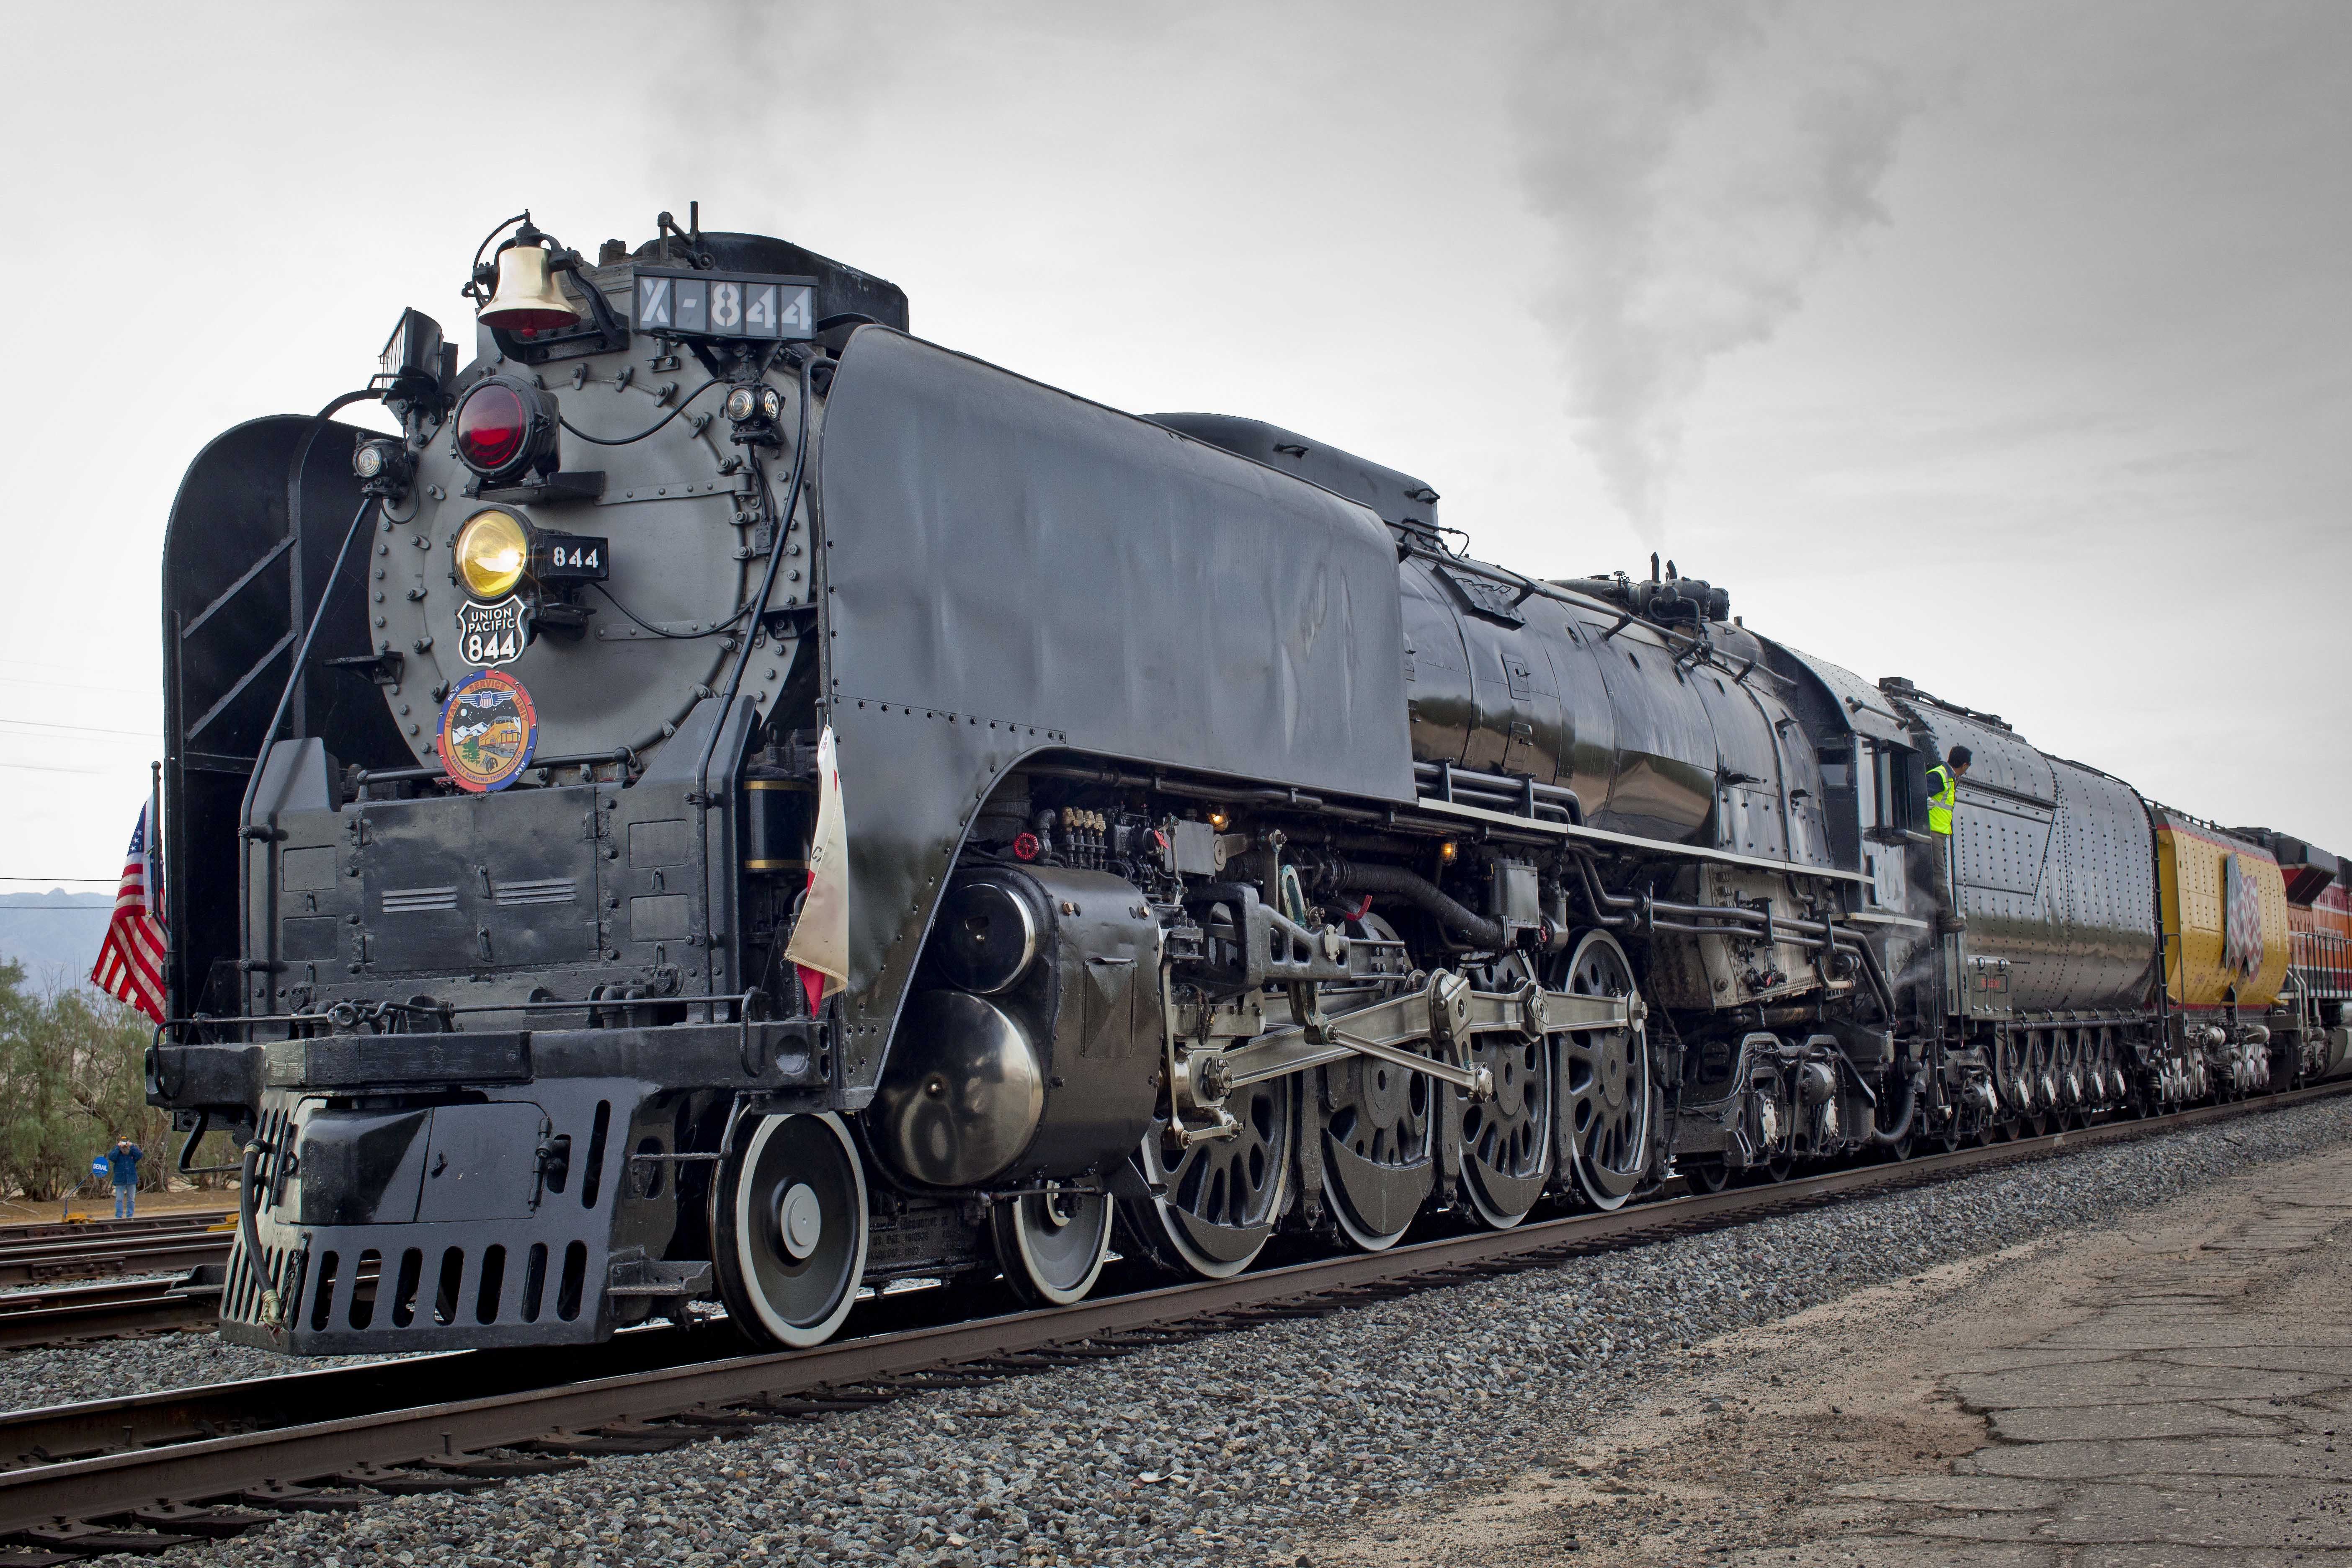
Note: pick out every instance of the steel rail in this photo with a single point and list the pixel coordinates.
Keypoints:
(27, 1232)
(555, 1415)
(62, 1314)
(50, 1434)
(163, 1252)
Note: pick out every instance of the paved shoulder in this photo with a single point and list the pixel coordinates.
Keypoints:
(2192, 1416)
(2165, 1392)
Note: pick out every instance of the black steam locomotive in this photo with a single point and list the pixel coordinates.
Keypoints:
(737, 802)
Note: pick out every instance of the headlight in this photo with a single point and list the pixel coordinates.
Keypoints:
(772, 402)
(492, 550)
(743, 403)
(383, 467)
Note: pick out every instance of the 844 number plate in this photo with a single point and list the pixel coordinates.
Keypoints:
(491, 635)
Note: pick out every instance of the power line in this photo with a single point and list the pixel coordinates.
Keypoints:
(73, 685)
(102, 882)
(85, 729)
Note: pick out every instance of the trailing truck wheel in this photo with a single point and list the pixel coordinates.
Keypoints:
(1707, 1175)
(788, 1228)
(1052, 1245)
(1605, 1089)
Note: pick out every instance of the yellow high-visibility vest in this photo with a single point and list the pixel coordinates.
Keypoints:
(1939, 803)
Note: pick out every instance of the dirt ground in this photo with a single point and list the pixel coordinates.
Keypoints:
(2164, 1393)
(27, 1211)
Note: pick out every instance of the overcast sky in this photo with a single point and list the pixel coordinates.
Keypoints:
(2006, 347)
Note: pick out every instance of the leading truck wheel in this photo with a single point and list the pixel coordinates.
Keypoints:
(1052, 1245)
(789, 1227)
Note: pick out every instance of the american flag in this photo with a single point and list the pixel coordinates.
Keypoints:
(131, 959)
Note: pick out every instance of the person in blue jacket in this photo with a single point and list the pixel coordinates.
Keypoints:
(122, 1164)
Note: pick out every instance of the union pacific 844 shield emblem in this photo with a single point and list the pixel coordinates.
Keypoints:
(488, 730)
(496, 634)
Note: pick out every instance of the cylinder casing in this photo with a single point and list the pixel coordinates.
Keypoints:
(1040, 1076)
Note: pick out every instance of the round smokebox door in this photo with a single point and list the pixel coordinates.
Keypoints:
(988, 935)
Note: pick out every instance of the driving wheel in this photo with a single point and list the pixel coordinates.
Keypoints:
(1379, 1144)
(1220, 1197)
(1606, 1092)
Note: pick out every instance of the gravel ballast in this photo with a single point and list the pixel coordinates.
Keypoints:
(113, 1369)
(1233, 1449)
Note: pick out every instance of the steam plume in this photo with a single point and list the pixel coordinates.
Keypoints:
(1700, 163)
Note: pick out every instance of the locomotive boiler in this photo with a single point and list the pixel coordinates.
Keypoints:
(735, 804)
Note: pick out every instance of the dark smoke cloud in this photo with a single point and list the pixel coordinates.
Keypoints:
(1699, 164)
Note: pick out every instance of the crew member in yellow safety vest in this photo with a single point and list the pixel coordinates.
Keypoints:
(1943, 787)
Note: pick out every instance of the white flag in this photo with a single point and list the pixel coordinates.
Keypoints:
(820, 945)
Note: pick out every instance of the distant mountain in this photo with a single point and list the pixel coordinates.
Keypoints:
(55, 935)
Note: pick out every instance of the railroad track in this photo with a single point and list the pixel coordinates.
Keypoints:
(33, 1255)
(83, 1479)
(64, 1314)
(22, 1231)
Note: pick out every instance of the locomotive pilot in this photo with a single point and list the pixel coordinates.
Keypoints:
(1943, 788)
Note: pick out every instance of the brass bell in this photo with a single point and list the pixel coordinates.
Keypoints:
(527, 298)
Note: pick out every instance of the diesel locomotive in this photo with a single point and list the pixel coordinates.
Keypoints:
(735, 804)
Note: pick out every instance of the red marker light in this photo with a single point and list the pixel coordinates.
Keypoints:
(1025, 846)
(492, 426)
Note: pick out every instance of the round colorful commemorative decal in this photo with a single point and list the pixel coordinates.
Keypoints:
(488, 730)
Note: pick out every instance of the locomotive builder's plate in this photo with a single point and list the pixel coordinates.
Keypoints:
(491, 635)
(488, 730)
